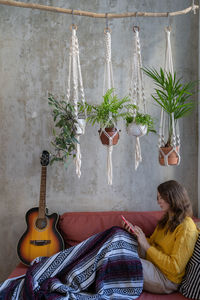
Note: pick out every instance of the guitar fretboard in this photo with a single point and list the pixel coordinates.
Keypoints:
(42, 202)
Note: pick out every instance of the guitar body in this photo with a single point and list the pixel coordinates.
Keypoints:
(41, 237)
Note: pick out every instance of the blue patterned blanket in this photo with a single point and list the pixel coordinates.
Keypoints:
(105, 266)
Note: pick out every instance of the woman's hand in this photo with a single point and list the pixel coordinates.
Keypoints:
(137, 231)
(128, 226)
(142, 241)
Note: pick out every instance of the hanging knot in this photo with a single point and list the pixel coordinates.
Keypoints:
(193, 7)
(168, 29)
(136, 29)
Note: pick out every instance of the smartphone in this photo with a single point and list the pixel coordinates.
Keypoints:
(127, 223)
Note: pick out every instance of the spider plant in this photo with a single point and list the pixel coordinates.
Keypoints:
(172, 95)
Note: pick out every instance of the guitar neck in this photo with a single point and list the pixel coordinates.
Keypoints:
(42, 202)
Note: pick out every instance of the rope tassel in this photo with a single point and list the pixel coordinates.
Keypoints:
(109, 164)
(138, 154)
(78, 159)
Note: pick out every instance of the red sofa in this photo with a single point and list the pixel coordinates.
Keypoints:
(77, 226)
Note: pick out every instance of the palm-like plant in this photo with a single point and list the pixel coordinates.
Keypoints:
(172, 95)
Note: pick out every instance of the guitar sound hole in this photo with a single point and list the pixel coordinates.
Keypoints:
(41, 223)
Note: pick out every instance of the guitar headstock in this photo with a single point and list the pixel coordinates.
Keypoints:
(44, 159)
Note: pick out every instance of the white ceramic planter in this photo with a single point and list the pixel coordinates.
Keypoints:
(80, 126)
(134, 129)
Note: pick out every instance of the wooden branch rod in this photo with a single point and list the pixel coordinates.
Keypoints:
(98, 15)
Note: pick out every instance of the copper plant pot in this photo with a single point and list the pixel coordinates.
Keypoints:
(111, 131)
(173, 158)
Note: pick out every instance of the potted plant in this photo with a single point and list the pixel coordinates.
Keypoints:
(138, 124)
(65, 130)
(106, 115)
(174, 97)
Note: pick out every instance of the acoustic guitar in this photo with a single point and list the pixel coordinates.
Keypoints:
(41, 237)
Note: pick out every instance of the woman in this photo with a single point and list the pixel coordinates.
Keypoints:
(165, 254)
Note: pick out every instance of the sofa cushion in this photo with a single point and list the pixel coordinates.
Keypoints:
(78, 226)
(190, 285)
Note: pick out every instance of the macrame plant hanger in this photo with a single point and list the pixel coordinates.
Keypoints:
(137, 95)
(75, 92)
(164, 123)
(108, 84)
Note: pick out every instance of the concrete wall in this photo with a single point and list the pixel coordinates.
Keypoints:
(34, 47)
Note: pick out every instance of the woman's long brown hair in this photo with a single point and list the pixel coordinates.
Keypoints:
(180, 206)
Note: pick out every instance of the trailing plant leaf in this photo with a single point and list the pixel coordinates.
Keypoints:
(64, 130)
(133, 115)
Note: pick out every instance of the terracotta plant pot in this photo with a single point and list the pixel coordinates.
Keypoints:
(113, 132)
(173, 158)
(134, 129)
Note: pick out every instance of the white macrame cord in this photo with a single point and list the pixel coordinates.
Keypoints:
(137, 95)
(163, 123)
(76, 89)
(108, 83)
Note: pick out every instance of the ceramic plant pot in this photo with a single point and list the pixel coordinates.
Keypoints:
(80, 126)
(173, 158)
(109, 132)
(138, 130)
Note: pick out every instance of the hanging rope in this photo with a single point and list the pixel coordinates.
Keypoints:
(77, 87)
(168, 52)
(108, 83)
(175, 131)
(97, 15)
(136, 90)
(137, 95)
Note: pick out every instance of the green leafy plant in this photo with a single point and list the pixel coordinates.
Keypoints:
(139, 118)
(172, 95)
(64, 131)
(110, 106)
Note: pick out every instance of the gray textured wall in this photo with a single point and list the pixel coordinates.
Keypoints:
(34, 47)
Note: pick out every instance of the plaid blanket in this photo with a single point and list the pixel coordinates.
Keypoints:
(105, 266)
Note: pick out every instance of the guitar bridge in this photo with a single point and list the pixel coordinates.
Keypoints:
(40, 242)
